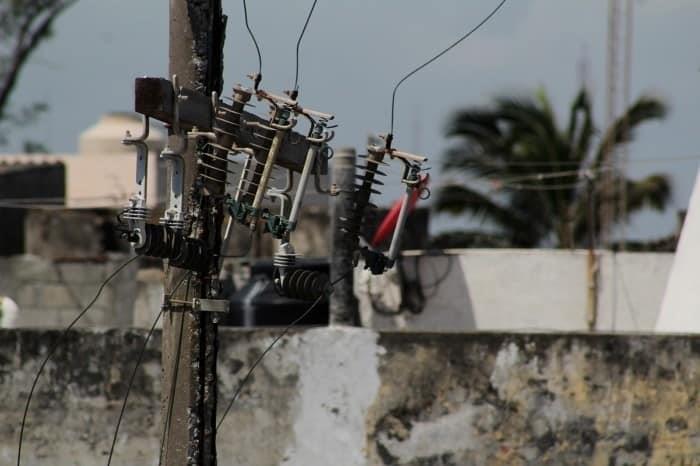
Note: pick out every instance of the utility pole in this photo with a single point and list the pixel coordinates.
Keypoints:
(626, 82)
(592, 264)
(343, 304)
(607, 201)
(190, 338)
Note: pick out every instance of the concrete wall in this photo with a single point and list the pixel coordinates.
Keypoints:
(465, 290)
(526, 290)
(356, 397)
(50, 294)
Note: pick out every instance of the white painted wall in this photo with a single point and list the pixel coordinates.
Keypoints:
(679, 310)
(522, 290)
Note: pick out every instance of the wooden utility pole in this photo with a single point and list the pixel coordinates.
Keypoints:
(189, 338)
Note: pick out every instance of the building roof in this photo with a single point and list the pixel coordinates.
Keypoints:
(31, 160)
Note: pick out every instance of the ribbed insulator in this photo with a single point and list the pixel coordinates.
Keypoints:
(163, 242)
(305, 285)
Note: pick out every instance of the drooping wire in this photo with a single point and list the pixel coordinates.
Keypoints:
(136, 367)
(55, 346)
(173, 384)
(438, 55)
(269, 348)
(258, 77)
(301, 36)
(131, 383)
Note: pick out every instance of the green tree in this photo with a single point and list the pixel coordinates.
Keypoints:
(24, 25)
(529, 187)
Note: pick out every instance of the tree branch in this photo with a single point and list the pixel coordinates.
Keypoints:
(25, 47)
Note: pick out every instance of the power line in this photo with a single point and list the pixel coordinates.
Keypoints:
(269, 348)
(571, 163)
(53, 349)
(550, 175)
(438, 55)
(303, 30)
(258, 77)
(543, 187)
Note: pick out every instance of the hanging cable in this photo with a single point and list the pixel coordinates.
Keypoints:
(303, 31)
(440, 54)
(136, 367)
(271, 345)
(173, 383)
(131, 383)
(55, 346)
(541, 187)
(258, 77)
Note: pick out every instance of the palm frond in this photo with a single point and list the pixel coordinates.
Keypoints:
(646, 108)
(581, 128)
(457, 199)
(654, 192)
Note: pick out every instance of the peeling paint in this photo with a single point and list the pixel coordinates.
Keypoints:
(338, 381)
(354, 397)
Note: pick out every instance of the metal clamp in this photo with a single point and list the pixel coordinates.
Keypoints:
(198, 304)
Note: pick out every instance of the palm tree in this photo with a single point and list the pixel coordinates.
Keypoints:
(535, 183)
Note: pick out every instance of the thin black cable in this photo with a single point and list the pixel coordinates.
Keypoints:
(270, 346)
(131, 382)
(258, 78)
(133, 374)
(53, 349)
(303, 31)
(176, 369)
(440, 54)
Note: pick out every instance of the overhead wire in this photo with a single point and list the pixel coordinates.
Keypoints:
(435, 57)
(573, 163)
(284, 331)
(173, 384)
(303, 31)
(541, 187)
(134, 372)
(55, 346)
(258, 77)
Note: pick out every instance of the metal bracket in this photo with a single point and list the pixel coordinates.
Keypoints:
(155, 97)
(198, 304)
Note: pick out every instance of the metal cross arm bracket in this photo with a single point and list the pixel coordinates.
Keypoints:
(197, 304)
(155, 98)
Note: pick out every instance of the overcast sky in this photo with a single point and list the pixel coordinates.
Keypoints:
(355, 51)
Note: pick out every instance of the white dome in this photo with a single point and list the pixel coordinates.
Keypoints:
(105, 136)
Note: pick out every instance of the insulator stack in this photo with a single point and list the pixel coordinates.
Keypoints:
(164, 242)
(285, 258)
(135, 213)
(305, 285)
(360, 198)
(214, 161)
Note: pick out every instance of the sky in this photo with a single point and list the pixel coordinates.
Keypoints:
(355, 51)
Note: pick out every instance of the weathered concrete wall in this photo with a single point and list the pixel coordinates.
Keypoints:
(355, 397)
(50, 294)
(524, 290)
(465, 290)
